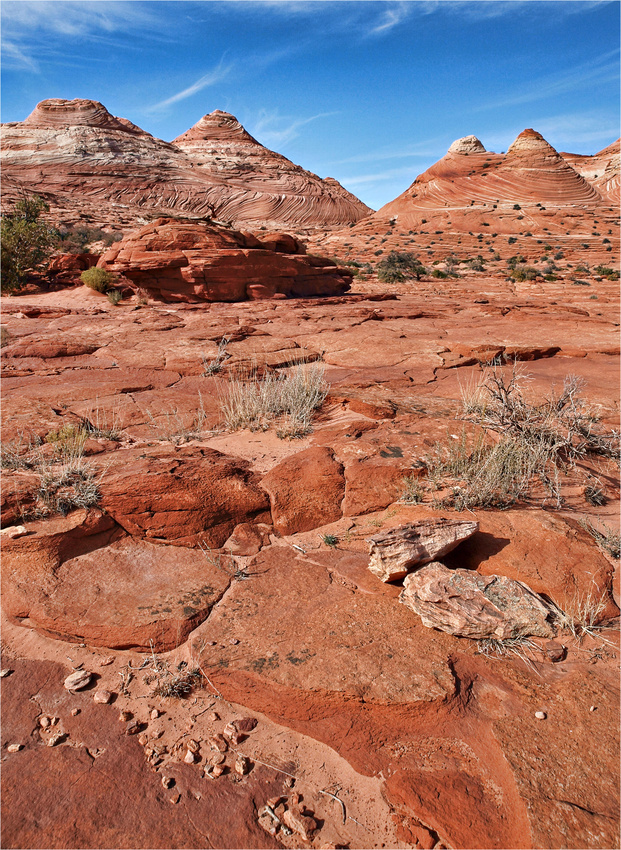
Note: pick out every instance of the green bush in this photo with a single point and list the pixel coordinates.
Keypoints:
(114, 296)
(27, 242)
(98, 279)
(399, 266)
(520, 272)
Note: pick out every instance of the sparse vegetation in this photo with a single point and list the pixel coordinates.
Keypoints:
(330, 540)
(214, 365)
(287, 400)
(114, 296)
(100, 280)
(399, 266)
(535, 443)
(27, 242)
(76, 239)
(606, 538)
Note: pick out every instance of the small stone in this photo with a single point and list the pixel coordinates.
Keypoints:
(106, 661)
(54, 720)
(103, 697)
(124, 716)
(44, 721)
(193, 746)
(229, 730)
(218, 742)
(75, 712)
(267, 823)
(14, 531)
(5, 672)
(593, 708)
(215, 771)
(56, 738)
(246, 724)
(242, 765)
(78, 680)
(555, 651)
(274, 801)
(154, 714)
(14, 748)
(217, 758)
(211, 643)
(174, 798)
(304, 825)
(213, 716)
(143, 740)
(190, 757)
(289, 782)
(540, 715)
(133, 727)
(233, 641)
(168, 781)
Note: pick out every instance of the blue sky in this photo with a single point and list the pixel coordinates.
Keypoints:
(371, 93)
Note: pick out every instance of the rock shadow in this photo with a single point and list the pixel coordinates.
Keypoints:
(472, 552)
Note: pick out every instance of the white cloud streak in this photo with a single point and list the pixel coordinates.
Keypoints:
(266, 128)
(216, 76)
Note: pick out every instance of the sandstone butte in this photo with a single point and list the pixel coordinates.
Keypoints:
(94, 167)
(231, 568)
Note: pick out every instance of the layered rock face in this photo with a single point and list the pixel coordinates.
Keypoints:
(473, 201)
(186, 261)
(90, 164)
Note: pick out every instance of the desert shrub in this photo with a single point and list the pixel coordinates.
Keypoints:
(76, 239)
(476, 264)
(114, 296)
(438, 273)
(606, 538)
(413, 492)
(211, 366)
(512, 240)
(27, 242)
(5, 336)
(68, 439)
(607, 272)
(399, 266)
(288, 400)
(517, 207)
(67, 487)
(98, 279)
(522, 272)
(534, 442)
(330, 540)
(578, 282)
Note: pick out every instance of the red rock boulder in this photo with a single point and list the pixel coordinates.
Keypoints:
(188, 261)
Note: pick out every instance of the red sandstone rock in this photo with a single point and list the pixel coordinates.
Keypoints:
(184, 496)
(66, 150)
(305, 490)
(189, 261)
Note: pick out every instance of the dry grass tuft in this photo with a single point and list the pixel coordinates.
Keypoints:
(287, 400)
(606, 538)
(582, 615)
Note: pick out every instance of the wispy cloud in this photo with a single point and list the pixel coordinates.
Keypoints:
(393, 15)
(216, 76)
(601, 69)
(29, 25)
(378, 177)
(273, 129)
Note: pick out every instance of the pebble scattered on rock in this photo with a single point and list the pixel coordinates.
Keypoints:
(124, 716)
(44, 721)
(75, 712)
(6, 671)
(133, 727)
(56, 738)
(103, 697)
(154, 714)
(189, 757)
(540, 715)
(14, 748)
(78, 680)
(168, 781)
(106, 661)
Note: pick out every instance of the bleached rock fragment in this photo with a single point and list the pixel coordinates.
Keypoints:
(466, 604)
(397, 552)
(78, 680)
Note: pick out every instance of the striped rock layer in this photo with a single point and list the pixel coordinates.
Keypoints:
(91, 165)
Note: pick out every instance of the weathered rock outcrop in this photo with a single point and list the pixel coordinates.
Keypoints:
(85, 161)
(397, 552)
(466, 604)
(190, 261)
